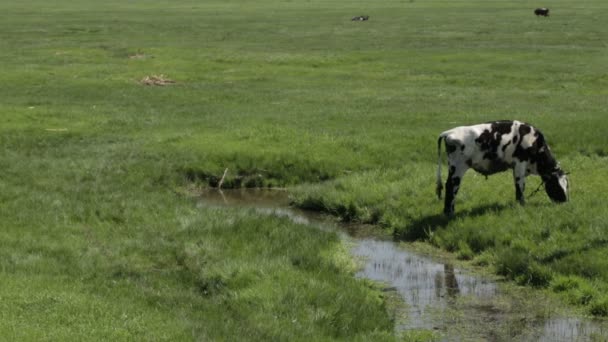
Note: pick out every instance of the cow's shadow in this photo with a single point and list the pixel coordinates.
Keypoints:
(420, 228)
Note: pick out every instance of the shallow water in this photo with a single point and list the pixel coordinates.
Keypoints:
(428, 287)
(457, 305)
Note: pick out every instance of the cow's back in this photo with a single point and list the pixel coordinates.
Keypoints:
(489, 147)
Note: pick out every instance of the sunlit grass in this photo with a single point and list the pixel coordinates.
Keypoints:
(96, 242)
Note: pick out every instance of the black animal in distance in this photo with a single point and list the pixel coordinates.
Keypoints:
(360, 18)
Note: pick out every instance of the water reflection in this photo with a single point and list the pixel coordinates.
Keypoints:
(573, 329)
(428, 287)
(451, 283)
(434, 291)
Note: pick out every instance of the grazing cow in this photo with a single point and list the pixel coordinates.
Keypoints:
(542, 11)
(360, 18)
(495, 147)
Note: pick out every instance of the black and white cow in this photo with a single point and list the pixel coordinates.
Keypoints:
(495, 147)
(360, 18)
(542, 11)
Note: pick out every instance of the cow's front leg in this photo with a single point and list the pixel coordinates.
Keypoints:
(451, 187)
(519, 176)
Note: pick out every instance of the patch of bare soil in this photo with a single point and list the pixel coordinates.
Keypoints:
(156, 80)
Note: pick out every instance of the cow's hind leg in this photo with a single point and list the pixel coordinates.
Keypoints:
(456, 171)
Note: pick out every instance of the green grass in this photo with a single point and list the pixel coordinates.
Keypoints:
(97, 244)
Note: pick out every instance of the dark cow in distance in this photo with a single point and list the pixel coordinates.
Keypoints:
(360, 18)
(495, 147)
(542, 11)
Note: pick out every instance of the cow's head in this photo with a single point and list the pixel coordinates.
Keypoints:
(556, 185)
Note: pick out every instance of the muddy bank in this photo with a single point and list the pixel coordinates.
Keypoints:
(439, 297)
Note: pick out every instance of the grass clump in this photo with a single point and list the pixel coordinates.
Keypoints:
(275, 290)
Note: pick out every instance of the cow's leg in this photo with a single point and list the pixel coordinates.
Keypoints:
(519, 176)
(456, 171)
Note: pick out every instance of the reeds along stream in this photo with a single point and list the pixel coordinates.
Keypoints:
(437, 296)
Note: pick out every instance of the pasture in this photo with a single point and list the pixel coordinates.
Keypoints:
(100, 241)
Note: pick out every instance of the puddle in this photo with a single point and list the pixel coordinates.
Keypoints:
(456, 305)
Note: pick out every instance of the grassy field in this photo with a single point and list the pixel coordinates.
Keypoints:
(98, 243)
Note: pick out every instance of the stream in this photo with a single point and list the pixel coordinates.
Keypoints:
(455, 304)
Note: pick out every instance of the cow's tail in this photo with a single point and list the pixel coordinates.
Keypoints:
(439, 184)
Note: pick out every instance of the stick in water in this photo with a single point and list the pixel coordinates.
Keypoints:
(219, 185)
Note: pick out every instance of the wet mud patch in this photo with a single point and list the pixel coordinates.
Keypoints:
(446, 301)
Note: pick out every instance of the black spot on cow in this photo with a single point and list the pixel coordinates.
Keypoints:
(504, 147)
(462, 148)
(521, 153)
(469, 162)
(450, 148)
(515, 139)
(524, 130)
(539, 154)
(484, 140)
(490, 140)
(502, 127)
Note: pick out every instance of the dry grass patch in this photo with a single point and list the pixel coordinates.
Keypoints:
(156, 80)
(140, 56)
